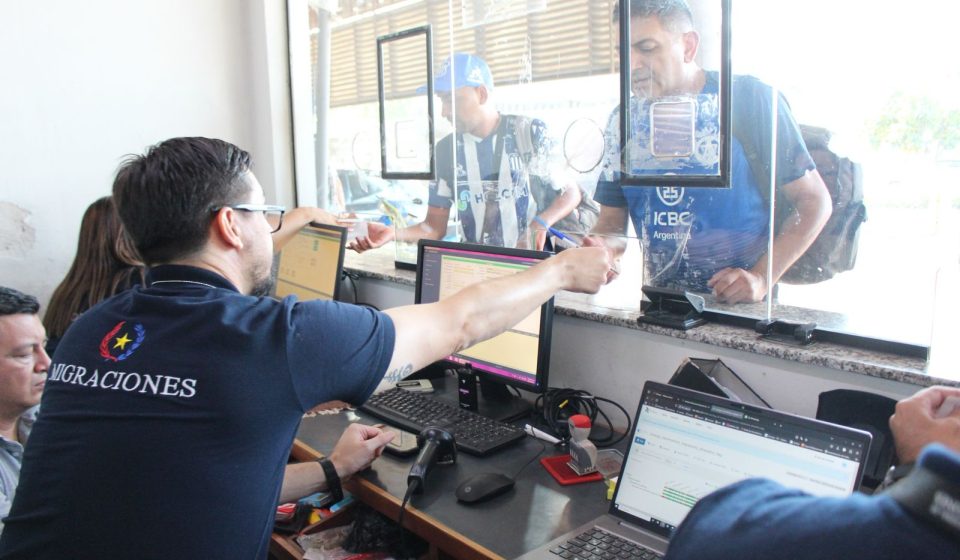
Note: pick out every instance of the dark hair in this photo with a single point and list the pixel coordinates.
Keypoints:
(105, 263)
(673, 14)
(13, 302)
(165, 197)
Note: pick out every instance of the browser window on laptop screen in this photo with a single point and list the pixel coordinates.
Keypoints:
(687, 445)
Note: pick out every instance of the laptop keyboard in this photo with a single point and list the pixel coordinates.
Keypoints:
(597, 544)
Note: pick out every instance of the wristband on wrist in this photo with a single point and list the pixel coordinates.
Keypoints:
(333, 479)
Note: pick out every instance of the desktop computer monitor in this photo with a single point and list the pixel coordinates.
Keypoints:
(520, 356)
(311, 263)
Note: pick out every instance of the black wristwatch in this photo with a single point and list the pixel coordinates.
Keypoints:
(333, 479)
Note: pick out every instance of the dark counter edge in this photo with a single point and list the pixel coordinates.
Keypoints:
(379, 265)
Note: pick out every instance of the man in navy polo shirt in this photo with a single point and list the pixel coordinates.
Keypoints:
(170, 410)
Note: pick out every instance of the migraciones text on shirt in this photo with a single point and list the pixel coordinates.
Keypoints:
(128, 382)
(120, 342)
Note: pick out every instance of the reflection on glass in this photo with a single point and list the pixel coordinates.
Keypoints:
(583, 145)
(672, 130)
(484, 12)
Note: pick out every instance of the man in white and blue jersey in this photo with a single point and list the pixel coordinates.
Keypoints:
(498, 175)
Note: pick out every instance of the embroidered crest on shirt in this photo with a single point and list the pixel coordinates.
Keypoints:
(118, 344)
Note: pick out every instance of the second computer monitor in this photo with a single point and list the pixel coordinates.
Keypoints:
(520, 356)
(311, 263)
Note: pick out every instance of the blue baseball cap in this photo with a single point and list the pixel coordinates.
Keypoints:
(467, 70)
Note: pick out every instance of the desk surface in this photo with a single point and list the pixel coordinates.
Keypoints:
(534, 512)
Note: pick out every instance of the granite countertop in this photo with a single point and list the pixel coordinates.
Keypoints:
(379, 264)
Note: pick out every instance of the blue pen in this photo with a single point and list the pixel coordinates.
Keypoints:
(562, 239)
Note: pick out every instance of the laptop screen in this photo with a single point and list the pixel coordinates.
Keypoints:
(311, 263)
(687, 444)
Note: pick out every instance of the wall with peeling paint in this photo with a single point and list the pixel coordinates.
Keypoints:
(85, 83)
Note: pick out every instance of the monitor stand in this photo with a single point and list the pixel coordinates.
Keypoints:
(496, 401)
(499, 403)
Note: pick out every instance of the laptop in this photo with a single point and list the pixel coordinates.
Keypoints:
(686, 444)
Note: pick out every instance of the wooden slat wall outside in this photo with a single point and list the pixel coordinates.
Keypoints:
(570, 38)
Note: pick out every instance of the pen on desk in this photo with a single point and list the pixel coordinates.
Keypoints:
(533, 432)
(562, 239)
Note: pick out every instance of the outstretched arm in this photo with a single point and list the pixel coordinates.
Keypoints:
(609, 232)
(433, 227)
(294, 220)
(426, 333)
(812, 201)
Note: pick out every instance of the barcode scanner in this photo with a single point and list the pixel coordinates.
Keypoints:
(437, 446)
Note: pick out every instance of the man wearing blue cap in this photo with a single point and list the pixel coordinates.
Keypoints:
(499, 177)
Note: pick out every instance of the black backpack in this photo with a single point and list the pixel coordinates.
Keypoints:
(835, 248)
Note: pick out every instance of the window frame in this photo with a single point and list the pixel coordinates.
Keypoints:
(721, 180)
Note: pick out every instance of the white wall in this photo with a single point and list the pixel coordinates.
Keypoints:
(85, 83)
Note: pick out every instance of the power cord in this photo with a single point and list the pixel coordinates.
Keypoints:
(543, 447)
(349, 277)
(556, 405)
(411, 489)
(412, 486)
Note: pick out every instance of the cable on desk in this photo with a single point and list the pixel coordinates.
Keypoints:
(543, 447)
(556, 405)
(411, 488)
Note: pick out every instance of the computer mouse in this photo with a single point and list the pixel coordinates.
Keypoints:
(482, 487)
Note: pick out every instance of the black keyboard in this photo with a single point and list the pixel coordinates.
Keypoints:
(413, 412)
(597, 544)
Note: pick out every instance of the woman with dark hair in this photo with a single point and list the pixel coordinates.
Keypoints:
(106, 263)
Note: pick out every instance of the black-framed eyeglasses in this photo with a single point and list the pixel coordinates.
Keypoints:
(273, 214)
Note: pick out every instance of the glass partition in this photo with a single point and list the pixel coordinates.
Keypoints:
(842, 208)
(880, 132)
